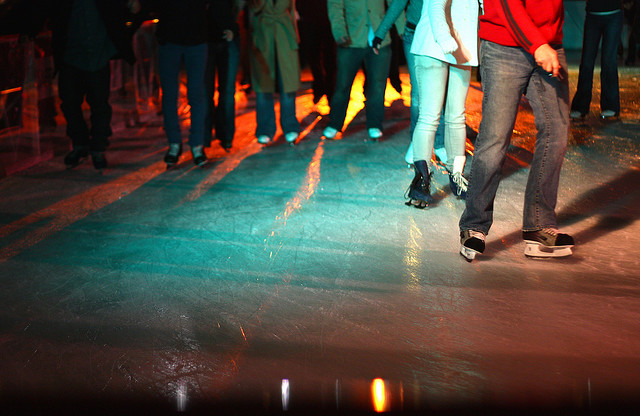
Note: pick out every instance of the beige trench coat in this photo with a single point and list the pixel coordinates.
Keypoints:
(274, 31)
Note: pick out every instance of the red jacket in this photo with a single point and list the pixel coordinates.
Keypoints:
(525, 23)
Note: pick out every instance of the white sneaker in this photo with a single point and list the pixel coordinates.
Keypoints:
(264, 139)
(330, 132)
(291, 137)
(375, 133)
(608, 114)
(576, 114)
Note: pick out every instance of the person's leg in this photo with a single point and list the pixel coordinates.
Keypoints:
(195, 60)
(590, 43)
(71, 89)
(288, 120)
(549, 99)
(411, 63)
(226, 100)
(328, 52)
(348, 63)
(431, 80)
(98, 89)
(213, 60)
(265, 115)
(505, 74)
(169, 61)
(610, 92)
(454, 114)
(377, 70)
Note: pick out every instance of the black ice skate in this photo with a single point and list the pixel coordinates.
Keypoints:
(471, 243)
(99, 161)
(173, 154)
(547, 242)
(419, 192)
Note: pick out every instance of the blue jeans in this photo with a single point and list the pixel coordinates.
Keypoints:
(444, 86)
(376, 68)
(609, 28)
(223, 59)
(170, 56)
(507, 72)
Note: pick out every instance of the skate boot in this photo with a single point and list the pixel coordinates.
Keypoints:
(547, 242)
(173, 154)
(99, 160)
(419, 192)
(471, 243)
(199, 156)
(76, 157)
(457, 182)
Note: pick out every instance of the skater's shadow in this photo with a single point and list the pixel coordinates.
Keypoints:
(616, 202)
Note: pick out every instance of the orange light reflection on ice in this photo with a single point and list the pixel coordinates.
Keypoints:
(379, 395)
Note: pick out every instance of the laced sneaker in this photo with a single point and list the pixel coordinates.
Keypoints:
(548, 242)
(329, 132)
(375, 133)
(291, 137)
(264, 139)
(471, 243)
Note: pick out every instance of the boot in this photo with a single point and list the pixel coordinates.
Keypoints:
(457, 182)
(419, 192)
(173, 154)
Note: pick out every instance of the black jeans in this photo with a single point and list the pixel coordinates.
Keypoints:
(608, 28)
(74, 85)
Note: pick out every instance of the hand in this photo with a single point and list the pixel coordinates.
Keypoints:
(547, 58)
(375, 44)
(227, 35)
(344, 41)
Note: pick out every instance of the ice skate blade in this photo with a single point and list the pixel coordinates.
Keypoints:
(541, 251)
(468, 254)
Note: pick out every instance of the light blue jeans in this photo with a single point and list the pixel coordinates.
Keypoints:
(507, 73)
(437, 80)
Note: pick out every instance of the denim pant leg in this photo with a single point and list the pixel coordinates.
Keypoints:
(454, 115)
(377, 70)
(71, 89)
(590, 42)
(213, 62)
(98, 90)
(549, 99)
(407, 39)
(265, 114)
(288, 120)
(505, 75)
(169, 63)
(195, 63)
(348, 64)
(431, 81)
(610, 92)
(226, 115)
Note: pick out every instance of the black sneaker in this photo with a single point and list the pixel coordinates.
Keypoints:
(99, 160)
(76, 157)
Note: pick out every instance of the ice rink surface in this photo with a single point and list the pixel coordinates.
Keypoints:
(203, 289)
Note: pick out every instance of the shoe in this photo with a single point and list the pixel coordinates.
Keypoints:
(457, 182)
(609, 115)
(226, 145)
(577, 115)
(471, 243)
(264, 139)
(375, 133)
(76, 157)
(330, 132)
(547, 242)
(419, 192)
(199, 156)
(173, 154)
(291, 137)
(99, 160)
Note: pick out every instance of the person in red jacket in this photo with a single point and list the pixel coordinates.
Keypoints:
(520, 53)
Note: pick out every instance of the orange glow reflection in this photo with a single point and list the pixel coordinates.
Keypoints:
(379, 395)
